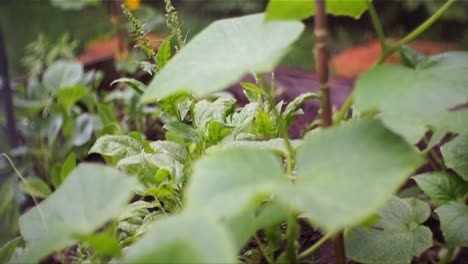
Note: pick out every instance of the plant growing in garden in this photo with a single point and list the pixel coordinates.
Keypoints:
(224, 173)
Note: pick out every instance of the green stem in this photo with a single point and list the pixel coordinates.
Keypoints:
(263, 250)
(377, 25)
(314, 247)
(447, 257)
(291, 238)
(344, 110)
(416, 32)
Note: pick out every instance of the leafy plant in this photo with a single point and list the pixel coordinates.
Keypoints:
(223, 173)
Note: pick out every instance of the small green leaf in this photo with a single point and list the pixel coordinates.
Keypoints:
(265, 126)
(233, 181)
(222, 54)
(62, 74)
(8, 249)
(453, 218)
(136, 85)
(119, 146)
(335, 165)
(302, 9)
(176, 151)
(104, 243)
(35, 187)
(242, 119)
(68, 96)
(205, 111)
(396, 238)
(164, 52)
(410, 57)
(455, 155)
(183, 131)
(442, 187)
(252, 87)
(291, 109)
(106, 114)
(91, 196)
(183, 239)
(82, 130)
(68, 166)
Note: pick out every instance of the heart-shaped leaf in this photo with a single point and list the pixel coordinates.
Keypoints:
(302, 9)
(396, 238)
(183, 239)
(62, 74)
(453, 218)
(442, 187)
(336, 165)
(455, 155)
(91, 196)
(222, 54)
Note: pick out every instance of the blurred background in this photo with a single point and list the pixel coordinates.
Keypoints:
(77, 24)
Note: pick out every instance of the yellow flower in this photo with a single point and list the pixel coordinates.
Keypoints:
(132, 5)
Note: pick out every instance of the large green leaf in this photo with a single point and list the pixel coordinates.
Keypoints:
(275, 145)
(420, 97)
(116, 146)
(62, 74)
(233, 180)
(455, 155)
(183, 239)
(301, 9)
(442, 187)
(91, 196)
(222, 54)
(396, 238)
(453, 221)
(346, 173)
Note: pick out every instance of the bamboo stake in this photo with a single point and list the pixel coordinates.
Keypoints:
(322, 68)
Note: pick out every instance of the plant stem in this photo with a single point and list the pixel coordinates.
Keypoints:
(321, 33)
(447, 257)
(416, 32)
(377, 25)
(263, 250)
(325, 104)
(291, 238)
(314, 247)
(342, 114)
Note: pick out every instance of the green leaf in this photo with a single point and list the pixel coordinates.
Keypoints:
(275, 145)
(292, 108)
(252, 87)
(119, 146)
(455, 155)
(242, 119)
(233, 181)
(302, 9)
(164, 52)
(104, 243)
(68, 96)
(244, 225)
(62, 74)
(421, 96)
(410, 57)
(106, 114)
(8, 249)
(68, 166)
(35, 187)
(442, 187)
(82, 130)
(183, 239)
(91, 196)
(222, 54)
(175, 150)
(265, 126)
(453, 218)
(396, 238)
(136, 85)
(183, 131)
(335, 165)
(205, 111)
